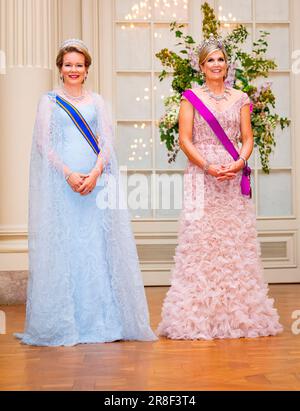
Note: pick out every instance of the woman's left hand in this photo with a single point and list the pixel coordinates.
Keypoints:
(89, 183)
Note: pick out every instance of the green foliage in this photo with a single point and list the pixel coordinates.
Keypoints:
(210, 24)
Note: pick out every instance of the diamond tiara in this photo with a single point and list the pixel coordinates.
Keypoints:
(212, 40)
(73, 42)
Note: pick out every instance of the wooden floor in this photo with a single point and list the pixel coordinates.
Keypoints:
(266, 363)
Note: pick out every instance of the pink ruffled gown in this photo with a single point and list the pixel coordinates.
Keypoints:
(217, 287)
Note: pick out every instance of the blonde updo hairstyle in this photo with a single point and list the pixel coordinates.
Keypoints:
(207, 49)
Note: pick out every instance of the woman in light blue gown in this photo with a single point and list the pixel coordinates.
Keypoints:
(84, 284)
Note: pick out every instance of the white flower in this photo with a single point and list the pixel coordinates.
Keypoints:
(172, 105)
(239, 83)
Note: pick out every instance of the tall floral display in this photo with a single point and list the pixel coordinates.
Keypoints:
(244, 70)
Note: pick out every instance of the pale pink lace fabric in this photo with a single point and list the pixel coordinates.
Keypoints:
(217, 288)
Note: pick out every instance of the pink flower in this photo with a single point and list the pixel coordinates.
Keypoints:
(193, 55)
(262, 88)
(230, 79)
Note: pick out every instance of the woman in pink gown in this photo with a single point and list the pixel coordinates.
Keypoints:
(217, 288)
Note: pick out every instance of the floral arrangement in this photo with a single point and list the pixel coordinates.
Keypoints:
(243, 69)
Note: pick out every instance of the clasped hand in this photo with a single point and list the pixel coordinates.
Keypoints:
(228, 172)
(83, 183)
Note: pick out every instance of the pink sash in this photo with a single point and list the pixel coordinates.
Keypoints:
(220, 133)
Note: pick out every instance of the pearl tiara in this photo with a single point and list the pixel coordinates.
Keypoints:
(73, 42)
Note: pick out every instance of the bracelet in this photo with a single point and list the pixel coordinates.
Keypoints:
(68, 176)
(244, 160)
(206, 167)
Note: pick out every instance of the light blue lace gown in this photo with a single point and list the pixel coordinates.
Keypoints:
(85, 285)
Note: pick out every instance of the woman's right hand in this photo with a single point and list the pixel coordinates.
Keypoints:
(76, 180)
(218, 172)
(213, 170)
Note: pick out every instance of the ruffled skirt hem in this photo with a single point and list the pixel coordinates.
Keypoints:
(234, 333)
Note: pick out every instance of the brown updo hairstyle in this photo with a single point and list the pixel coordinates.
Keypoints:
(69, 49)
(207, 49)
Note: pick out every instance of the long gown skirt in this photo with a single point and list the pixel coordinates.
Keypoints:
(217, 287)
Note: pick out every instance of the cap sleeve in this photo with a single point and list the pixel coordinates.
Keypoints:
(183, 98)
(245, 100)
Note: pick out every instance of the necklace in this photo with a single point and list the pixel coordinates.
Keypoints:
(216, 97)
(75, 98)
